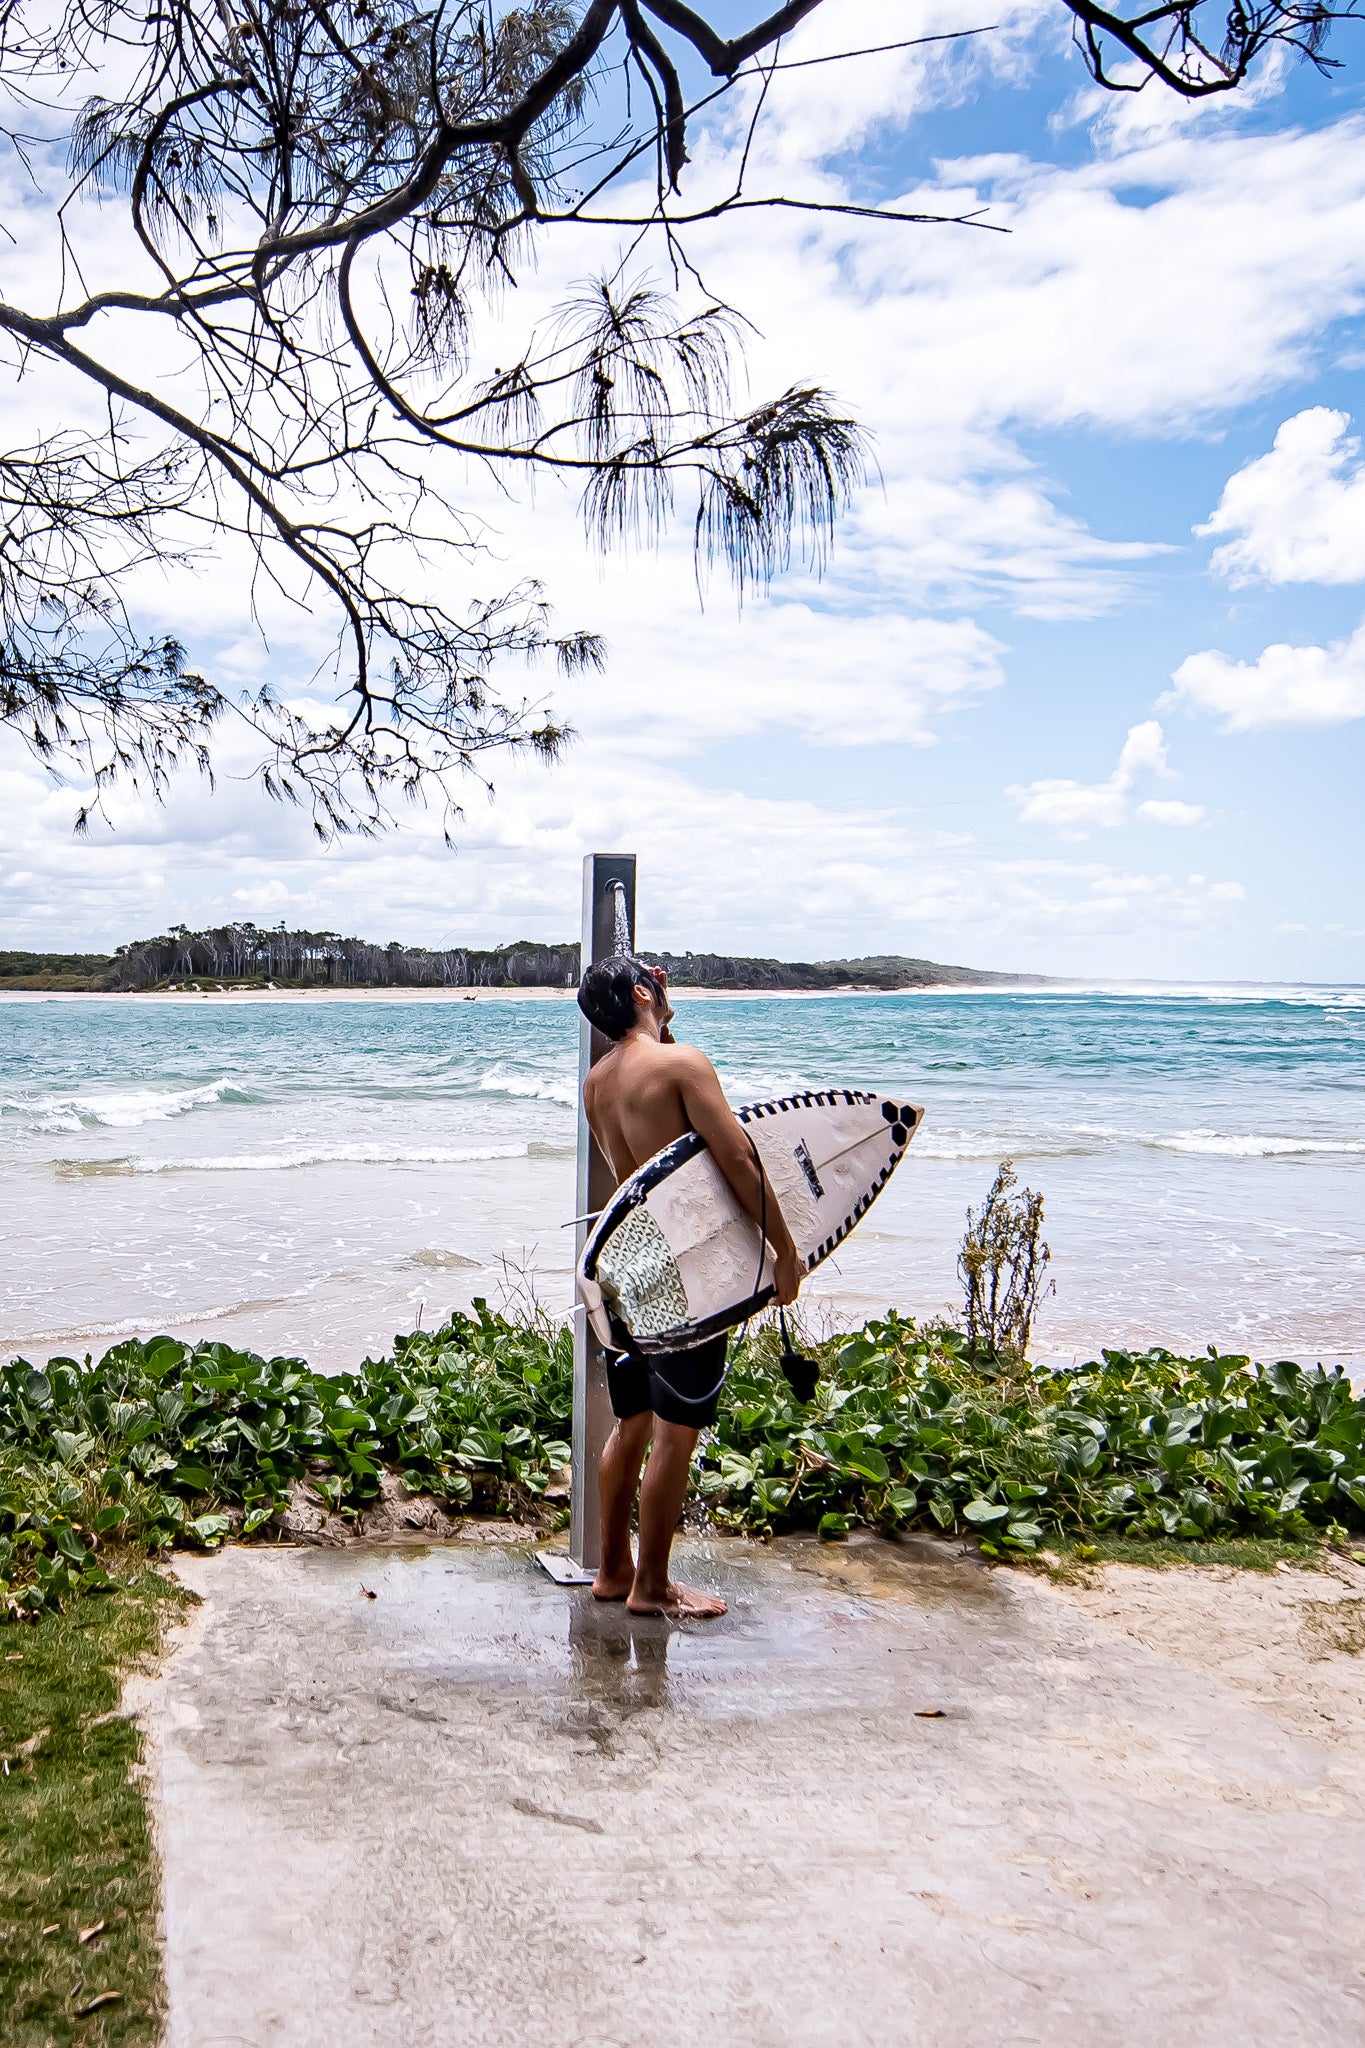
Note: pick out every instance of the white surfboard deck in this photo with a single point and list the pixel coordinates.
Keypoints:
(673, 1259)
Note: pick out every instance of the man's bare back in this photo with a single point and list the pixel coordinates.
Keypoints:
(636, 1099)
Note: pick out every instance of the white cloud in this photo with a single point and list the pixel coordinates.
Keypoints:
(1298, 513)
(1073, 807)
(817, 112)
(1119, 120)
(964, 540)
(1284, 686)
(1093, 310)
(1169, 811)
(1151, 315)
(680, 678)
(1115, 896)
(721, 868)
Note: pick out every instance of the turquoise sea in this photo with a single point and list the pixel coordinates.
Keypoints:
(312, 1174)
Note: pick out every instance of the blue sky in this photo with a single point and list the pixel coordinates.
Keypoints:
(929, 751)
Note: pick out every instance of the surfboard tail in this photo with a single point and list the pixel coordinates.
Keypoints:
(594, 1301)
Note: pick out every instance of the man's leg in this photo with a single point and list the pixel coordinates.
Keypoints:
(661, 1498)
(618, 1475)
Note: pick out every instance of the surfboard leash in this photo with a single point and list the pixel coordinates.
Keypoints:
(800, 1372)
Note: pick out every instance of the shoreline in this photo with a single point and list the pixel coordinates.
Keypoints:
(825, 1319)
(100, 1336)
(483, 995)
(1228, 991)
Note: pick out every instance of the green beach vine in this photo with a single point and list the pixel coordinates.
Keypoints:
(162, 1443)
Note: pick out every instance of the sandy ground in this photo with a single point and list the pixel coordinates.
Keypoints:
(894, 1797)
(238, 996)
(214, 994)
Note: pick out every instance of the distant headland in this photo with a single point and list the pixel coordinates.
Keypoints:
(244, 956)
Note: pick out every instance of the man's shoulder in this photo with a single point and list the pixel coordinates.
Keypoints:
(684, 1063)
(683, 1055)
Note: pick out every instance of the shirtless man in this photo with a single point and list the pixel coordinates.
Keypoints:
(641, 1095)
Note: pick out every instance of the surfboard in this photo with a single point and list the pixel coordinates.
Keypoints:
(673, 1259)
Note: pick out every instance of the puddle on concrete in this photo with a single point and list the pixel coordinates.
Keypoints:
(919, 1569)
(483, 1617)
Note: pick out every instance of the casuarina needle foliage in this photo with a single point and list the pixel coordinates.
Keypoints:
(163, 1442)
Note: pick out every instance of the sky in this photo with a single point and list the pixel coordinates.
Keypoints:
(1082, 689)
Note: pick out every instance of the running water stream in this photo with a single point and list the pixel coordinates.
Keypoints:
(309, 1176)
(620, 921)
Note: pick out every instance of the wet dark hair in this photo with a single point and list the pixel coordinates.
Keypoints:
(605, 993)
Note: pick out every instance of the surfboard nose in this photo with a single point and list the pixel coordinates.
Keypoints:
(903, 1119)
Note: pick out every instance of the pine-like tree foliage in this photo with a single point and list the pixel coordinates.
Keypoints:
(326, 203)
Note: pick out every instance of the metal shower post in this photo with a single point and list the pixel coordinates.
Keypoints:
(596, 1183)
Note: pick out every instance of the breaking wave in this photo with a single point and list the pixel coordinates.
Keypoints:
(124, 1111)
(1209, 1144)
(1090, 1140)
(153, 1323)
(529, 1087)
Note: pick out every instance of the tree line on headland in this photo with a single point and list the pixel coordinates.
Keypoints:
(245, 955)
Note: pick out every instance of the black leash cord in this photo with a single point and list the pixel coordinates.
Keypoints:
(799, 1371)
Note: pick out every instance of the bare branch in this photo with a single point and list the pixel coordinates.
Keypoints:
(1169, 42)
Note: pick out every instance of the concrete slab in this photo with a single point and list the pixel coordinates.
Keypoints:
(478, 1808)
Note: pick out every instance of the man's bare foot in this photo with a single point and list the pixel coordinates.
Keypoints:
(679, 1603)
(612, 1585)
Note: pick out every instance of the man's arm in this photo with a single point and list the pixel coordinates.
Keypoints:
(713, 1120)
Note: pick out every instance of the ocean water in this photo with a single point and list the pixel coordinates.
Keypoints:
(309, 1176)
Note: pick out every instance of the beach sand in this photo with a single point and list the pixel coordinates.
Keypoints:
(239, 996)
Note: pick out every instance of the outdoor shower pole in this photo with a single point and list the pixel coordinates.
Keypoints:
(596, 1184)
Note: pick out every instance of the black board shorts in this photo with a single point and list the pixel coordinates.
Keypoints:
(679, 1386)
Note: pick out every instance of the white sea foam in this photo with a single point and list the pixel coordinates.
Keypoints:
(1297, 995)
(152, 1323)
(1146, 1122)
(532, 1087)
(756, 1085)
(1088, 1140)
(122, 1111)
(1017, 1146)
(1211, 1144)
(282, 1162)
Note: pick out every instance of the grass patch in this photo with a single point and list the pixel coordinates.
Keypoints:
(75, 1838)
(1078, 1555)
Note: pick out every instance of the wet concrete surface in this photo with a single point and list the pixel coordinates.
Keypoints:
(481, 1809)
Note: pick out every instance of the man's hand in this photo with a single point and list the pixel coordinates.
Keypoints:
(660, 980)
(786, 1277)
